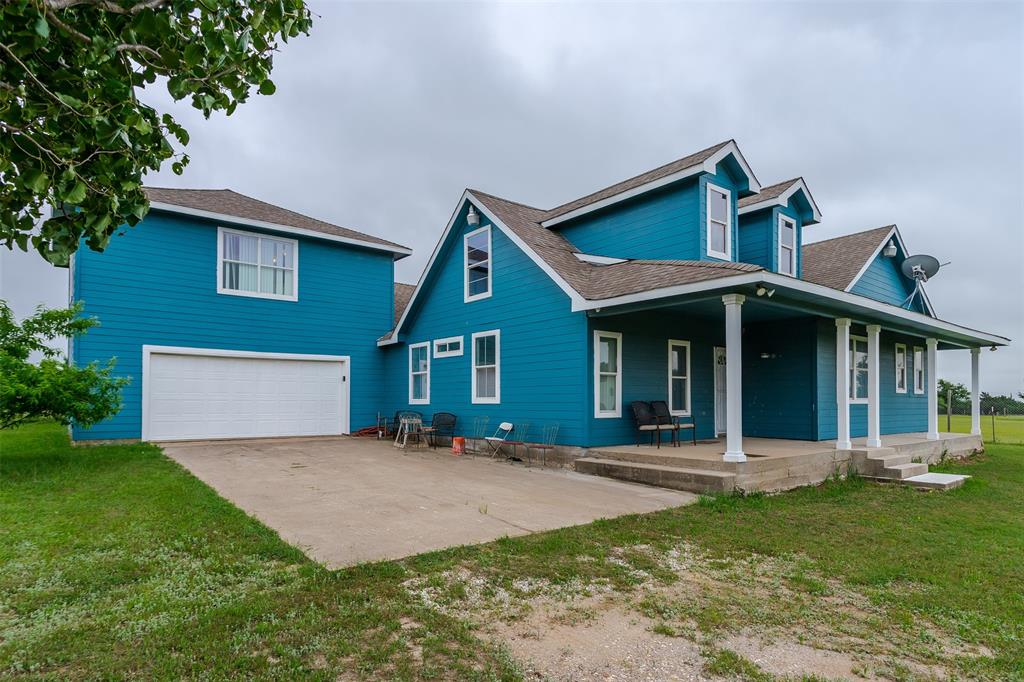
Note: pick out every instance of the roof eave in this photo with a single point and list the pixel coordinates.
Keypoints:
(783, 199)
(398, 251)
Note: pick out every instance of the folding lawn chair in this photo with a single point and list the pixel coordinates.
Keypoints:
(499, 438)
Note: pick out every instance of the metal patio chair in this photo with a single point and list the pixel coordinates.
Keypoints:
(520, 433)
(664, 415)
(549, 434)
(646, 421)
(477, 434)
(442, 425)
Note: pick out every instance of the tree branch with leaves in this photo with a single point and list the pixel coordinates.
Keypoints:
(75, 136)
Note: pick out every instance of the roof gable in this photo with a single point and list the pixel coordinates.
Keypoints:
(780, 194)
(225, 204)
(704, 161)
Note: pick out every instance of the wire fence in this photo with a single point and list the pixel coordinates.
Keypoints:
(1002, 417)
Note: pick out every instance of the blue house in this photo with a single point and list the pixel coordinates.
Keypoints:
(689, 283)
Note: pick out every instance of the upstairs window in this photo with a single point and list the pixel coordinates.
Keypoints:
(486, 378)
(607, 374)
(679, 377)
(918, 370)
(477, 252)
(251, 264)
(719, 226)
(901, 368)
(419, 373)
(858, 369)
(787, 246)
(448, 348)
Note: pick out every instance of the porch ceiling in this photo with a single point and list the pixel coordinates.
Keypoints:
(795, 298)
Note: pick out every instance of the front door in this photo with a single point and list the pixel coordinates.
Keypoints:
(719, 390)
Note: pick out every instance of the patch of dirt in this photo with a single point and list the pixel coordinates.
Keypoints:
(613, 644)
(787, 658)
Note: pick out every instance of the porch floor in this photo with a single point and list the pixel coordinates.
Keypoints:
(772, 463)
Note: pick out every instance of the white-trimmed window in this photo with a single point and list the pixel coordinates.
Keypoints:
(607, 374)
(787, 246)
(250, 264)
(918, 369)
(486, 377)
(679, 377)
(477, 254)
(448, 348)
(858, 369)
(901, 368)
(719, 222)
(419, 373)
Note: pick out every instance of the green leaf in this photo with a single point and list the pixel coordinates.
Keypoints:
(267, 87)
(42, 28)
(37, 181)
(77, 193)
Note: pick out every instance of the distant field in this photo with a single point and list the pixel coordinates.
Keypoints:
(1008, 429)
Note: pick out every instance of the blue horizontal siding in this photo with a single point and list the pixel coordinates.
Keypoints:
(884, 282)
(156, 285)
(543, 359)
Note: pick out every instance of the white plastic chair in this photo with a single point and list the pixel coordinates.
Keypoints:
(501, 435)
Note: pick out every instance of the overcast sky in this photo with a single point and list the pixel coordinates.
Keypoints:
(909, 114)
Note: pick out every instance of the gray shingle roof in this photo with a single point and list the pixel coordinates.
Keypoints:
(636, 181)
(767, 193)
(228, 202)
(835, 262)
(595, 282)
(403, 292)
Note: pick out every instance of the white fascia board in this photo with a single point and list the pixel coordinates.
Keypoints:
(599, 260)
(773, 280)
(894, 233)
(236, 220)
(784, 198)
(573, 295)
(707, 166)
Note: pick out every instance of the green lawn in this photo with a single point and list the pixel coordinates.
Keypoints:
(115, 562)
(1001, 429)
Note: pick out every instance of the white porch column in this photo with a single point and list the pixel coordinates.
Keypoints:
(975, 393)
(843, 384)
(874, 415)
(931, 366)
(734, 378)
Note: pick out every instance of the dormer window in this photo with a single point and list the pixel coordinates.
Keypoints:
(719, 227)
(787, 246)
(477, 253)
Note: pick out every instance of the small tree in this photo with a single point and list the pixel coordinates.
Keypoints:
(961, 396)
(51, 388)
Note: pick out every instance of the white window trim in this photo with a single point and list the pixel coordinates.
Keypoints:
(900, 347)
(466, 298)
(221, 231)
(448, 353)
(672, 343)
(919, 366)
(426, 399)
(727, 254)
(496, 400)
(853, 370)
(598, 412)
(783, 218)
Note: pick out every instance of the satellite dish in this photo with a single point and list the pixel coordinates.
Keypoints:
(920, 269)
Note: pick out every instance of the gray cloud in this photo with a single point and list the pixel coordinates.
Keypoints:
(909, 114)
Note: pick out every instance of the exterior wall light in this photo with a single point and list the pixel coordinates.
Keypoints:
(890, 249)
(472, 218)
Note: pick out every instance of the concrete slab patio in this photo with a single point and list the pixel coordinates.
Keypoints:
(349, 500)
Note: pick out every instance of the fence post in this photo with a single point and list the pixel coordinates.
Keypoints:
(993, 424)
(949, 410)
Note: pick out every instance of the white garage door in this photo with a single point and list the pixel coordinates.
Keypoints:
(188, 395)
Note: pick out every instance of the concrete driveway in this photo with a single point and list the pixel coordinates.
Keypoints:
(346, 500)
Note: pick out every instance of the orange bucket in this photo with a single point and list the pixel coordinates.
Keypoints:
(458, 445)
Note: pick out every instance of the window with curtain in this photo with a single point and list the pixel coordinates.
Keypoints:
(858, 369)
(679, 377)
(478, 264)
(419, 373)
(719, 225)
(901, 368)
(486, 377)
(608, 370)
(255, 265)
(787, 246)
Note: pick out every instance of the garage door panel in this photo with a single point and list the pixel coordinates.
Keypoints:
(199, 396)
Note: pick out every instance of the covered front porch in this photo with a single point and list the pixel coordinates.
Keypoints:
(775, 367)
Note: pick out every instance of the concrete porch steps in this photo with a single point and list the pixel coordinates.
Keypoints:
(661, 475)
